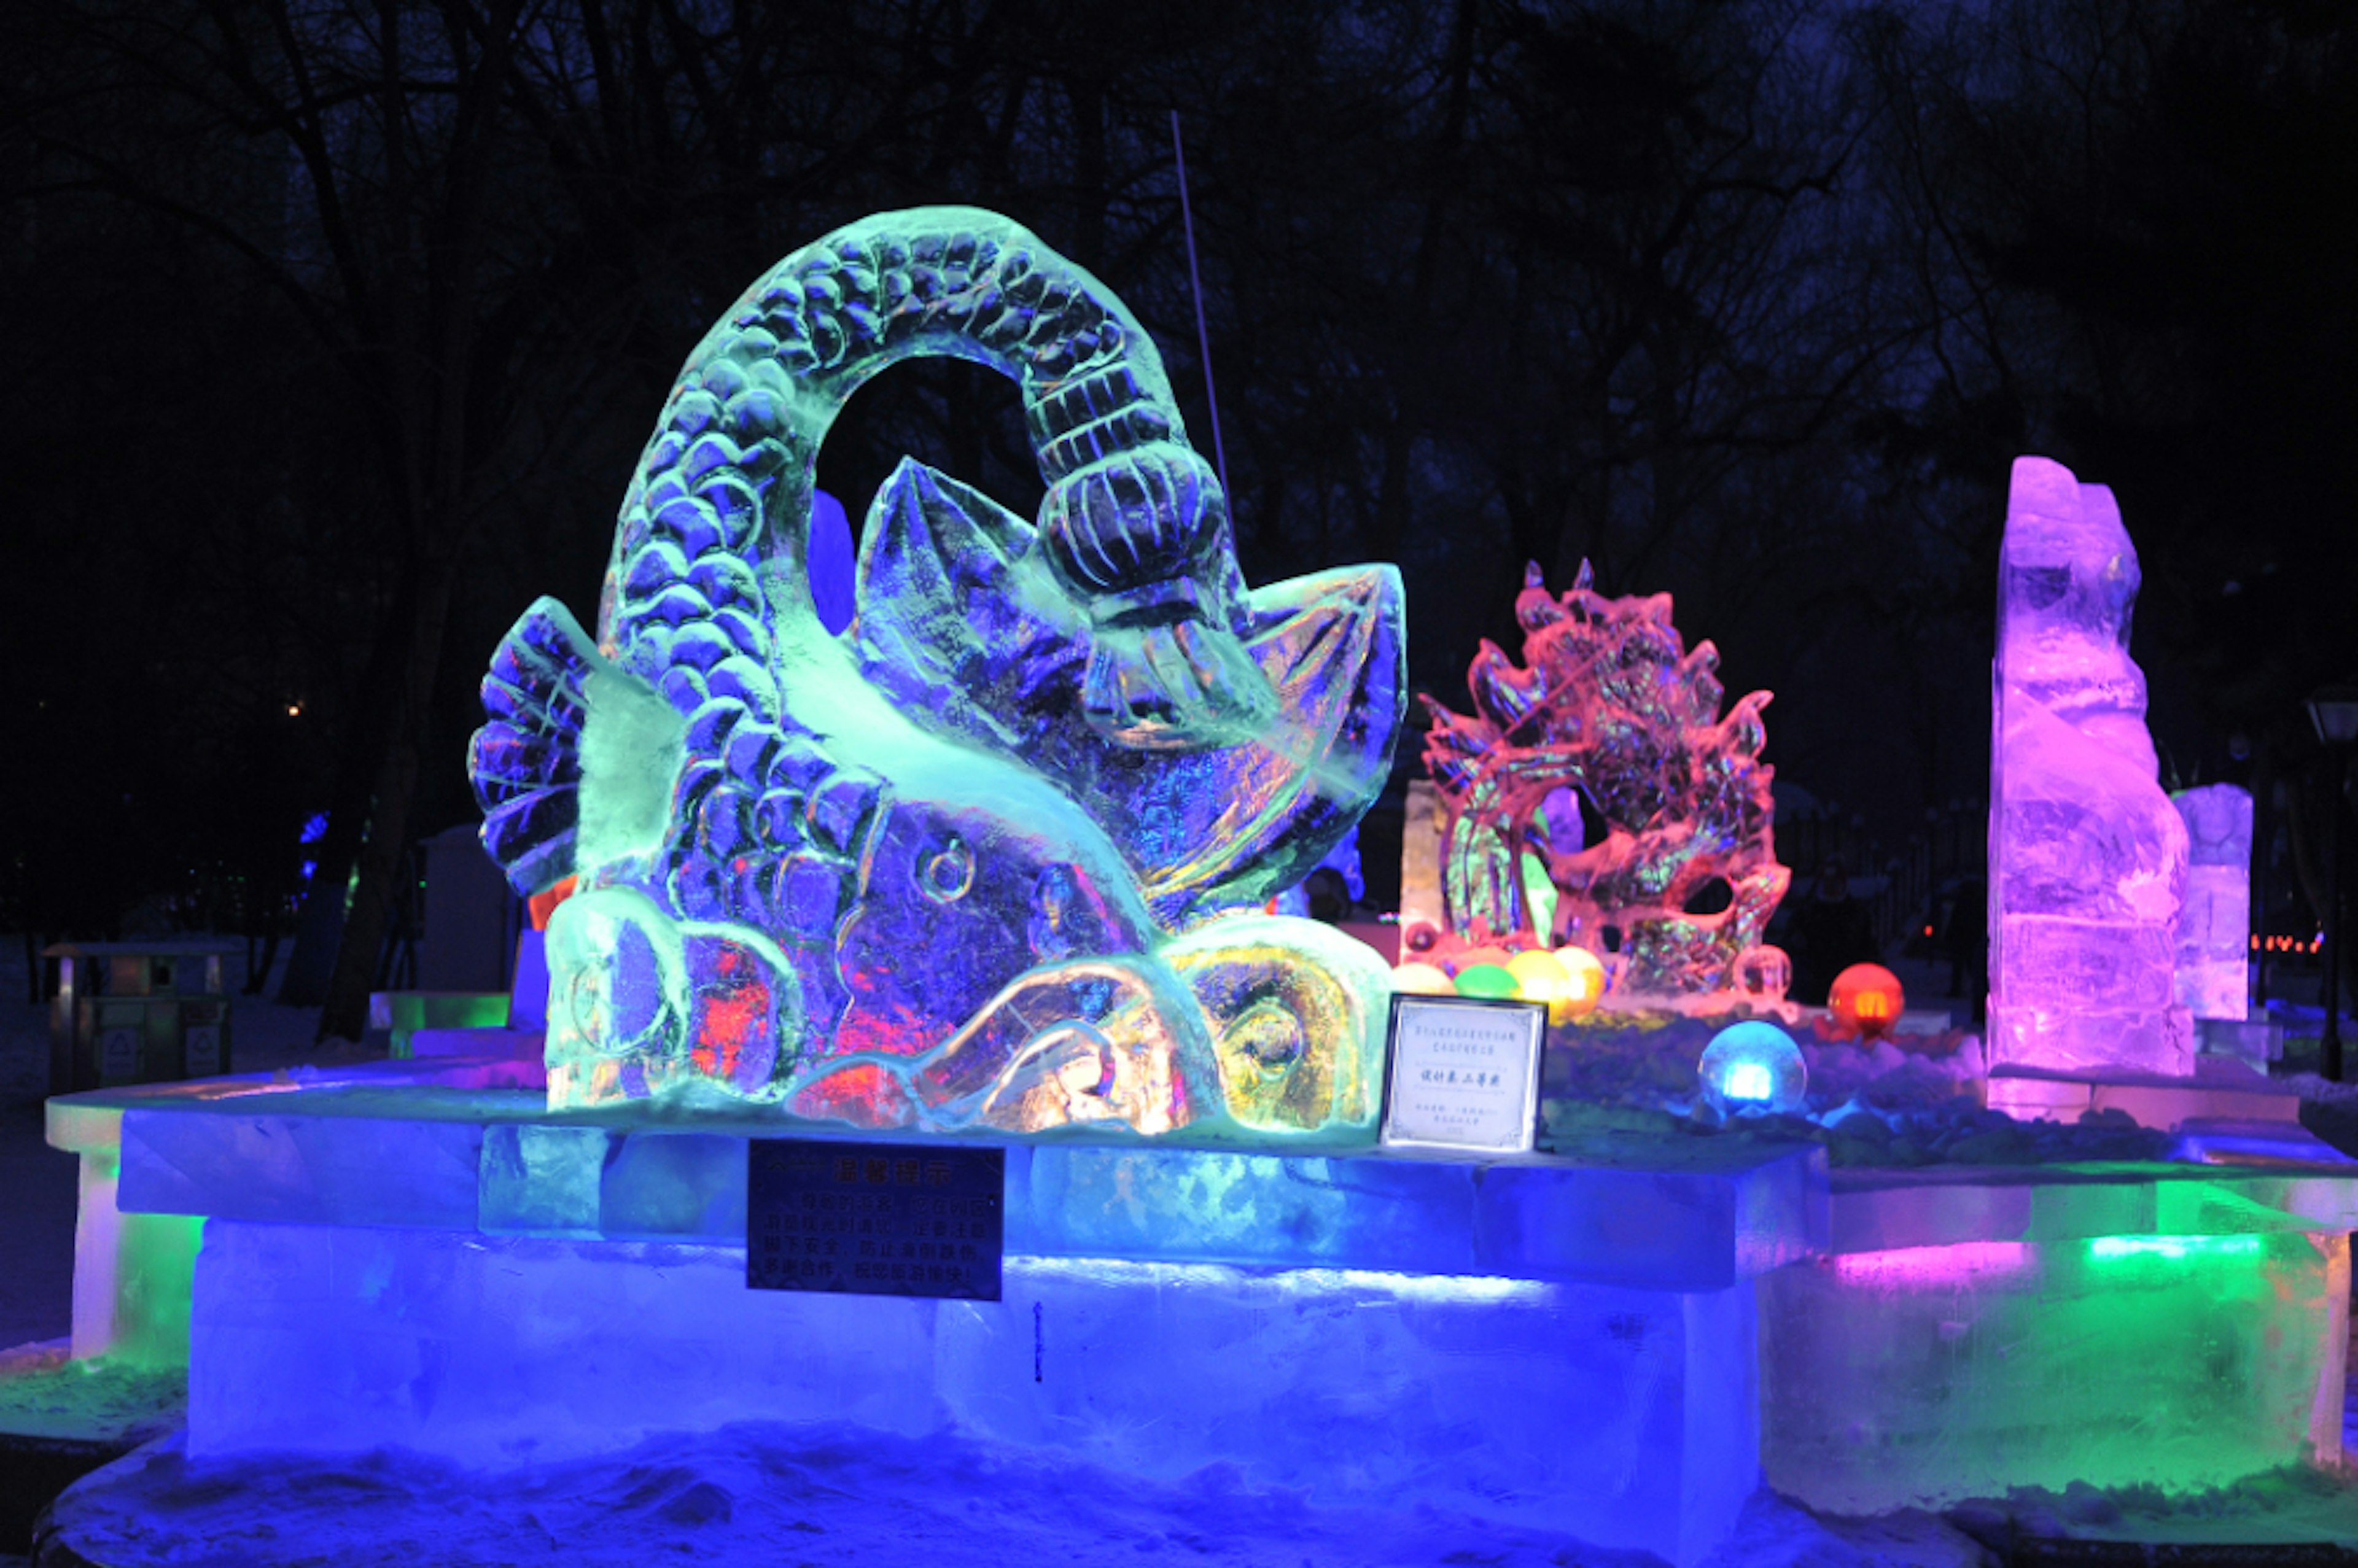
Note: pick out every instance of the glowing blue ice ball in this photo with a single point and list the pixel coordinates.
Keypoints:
(1752, 1067)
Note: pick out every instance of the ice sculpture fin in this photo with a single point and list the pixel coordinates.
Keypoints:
(963, 619)
(559, 713)
(525, 762)
(953, 599)
(1332, 647)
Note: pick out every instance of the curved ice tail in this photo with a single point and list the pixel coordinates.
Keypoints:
(525, 762)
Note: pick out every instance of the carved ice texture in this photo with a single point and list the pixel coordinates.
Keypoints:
(2214, 930)
(2087, 855)
(933, 873)
(1610, 712)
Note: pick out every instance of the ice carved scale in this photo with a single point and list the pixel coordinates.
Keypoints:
(932, 874)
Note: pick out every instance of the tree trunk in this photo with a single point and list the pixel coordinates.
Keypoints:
(320, 924)
(345, 1014)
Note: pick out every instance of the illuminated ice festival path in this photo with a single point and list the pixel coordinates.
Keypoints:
(545, 1318)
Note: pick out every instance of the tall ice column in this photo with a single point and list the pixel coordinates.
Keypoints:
(2088, 857)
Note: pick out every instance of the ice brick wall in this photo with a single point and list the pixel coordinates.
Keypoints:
(2088, 857)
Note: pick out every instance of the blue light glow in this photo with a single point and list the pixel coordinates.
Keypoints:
(1749, 1080)
(1751, 1067)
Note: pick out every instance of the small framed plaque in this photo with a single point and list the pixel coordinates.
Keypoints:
(1464, 1073)
(879, 1219)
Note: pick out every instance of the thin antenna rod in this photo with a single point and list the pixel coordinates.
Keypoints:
(1203, 334)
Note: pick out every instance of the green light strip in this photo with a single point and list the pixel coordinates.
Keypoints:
(2109, 1247)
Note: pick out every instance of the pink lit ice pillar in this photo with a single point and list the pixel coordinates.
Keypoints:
(2088, 858)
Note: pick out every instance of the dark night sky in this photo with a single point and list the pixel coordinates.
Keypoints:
(1749, 303)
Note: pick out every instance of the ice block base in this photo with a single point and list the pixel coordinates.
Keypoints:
(1561, 1343)
(1627, 1417)
(1972, 1332)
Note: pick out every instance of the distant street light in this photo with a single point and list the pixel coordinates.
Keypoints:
(2334, 710)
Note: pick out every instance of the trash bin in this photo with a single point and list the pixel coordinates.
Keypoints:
(137, 1012)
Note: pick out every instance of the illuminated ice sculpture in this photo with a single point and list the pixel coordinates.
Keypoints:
(2214, 930)
(2088, 858)
(960, 866)
(1611, 710)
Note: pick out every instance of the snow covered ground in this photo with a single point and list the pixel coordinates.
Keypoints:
(800, 1496)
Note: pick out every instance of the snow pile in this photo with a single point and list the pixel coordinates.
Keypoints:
(43, 1394)
(2316, 1090)
(1649, 1058)
(1906, 1100)
(2288, 1507)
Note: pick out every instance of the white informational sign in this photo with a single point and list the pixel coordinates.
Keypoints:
(1463, 1074)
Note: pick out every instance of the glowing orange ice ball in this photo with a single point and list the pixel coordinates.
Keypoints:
(1867, 999)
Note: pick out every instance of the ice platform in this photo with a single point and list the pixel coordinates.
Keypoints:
(1617, 1346)
(1558, 1343)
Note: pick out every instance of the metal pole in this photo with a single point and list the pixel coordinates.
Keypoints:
(2329, 1045)
(1203, 334)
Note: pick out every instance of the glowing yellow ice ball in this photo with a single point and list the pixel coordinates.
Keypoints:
(1587, 973)
(1542, 977)
(1489, 980)
(1423, 979)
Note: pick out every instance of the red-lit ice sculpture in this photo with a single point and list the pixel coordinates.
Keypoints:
(1610, 720)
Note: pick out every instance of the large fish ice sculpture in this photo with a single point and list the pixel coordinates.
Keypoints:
(976, 863)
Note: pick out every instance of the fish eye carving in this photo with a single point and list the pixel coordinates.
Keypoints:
(946, 872)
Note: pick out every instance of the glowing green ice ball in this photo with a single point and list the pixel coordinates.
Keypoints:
(1492, 981)
(1752, 1067)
